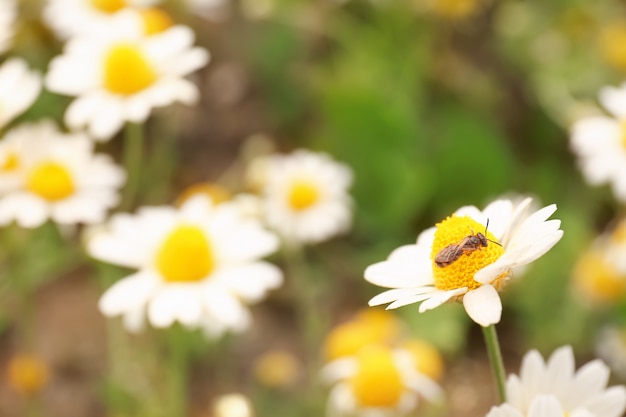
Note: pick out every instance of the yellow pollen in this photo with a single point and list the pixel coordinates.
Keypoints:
(11, 162)
(460, 273)
(51, 181)
(377, 382)
(108, 6)
(155, 20)
(185, 255)
(303, 194)
(127, 70)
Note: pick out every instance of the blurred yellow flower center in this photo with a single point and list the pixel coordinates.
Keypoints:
(613, 44)
(27, 374)
(456, 8)
(460, 272)
(378, 382)
(11, 162)
(596, 277)
(277, 368)
(303, 194)
(127, 70)
(108, 6)
(427, 359)
(155, 20)
(185, 255)
(51, 181)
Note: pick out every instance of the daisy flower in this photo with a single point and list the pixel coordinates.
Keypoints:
(19, 88)
(8, 13)
(377, 381)
(46, 174)
(71, 17)
(198, 264)
(554, 388)
(446, 265)
(600, 142)
(120, 74)
(305, 196)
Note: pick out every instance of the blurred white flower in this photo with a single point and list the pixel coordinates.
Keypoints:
(214, 10)
(610, 346)
(554, 388)
(71, 17)
(46, 174)
(444, 265)
(19, 88)
(600, 142)
(120, 74)
(233, 405)
(377, 381)
(198, 265)
(8, 13)
(306, 196)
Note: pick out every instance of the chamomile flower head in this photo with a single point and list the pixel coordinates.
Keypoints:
(8, 13)
(199, 264)
(19, 88)
(555, 388)
(73, 17)
(121, 73)
(600, 143)
(46, 174)
(377, 381)
(445, 265)
(306, 196)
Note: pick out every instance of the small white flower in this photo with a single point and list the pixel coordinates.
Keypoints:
(19, 88)
(198, 265)
(555, 389)
(8, 13)
(46, 174)
(306, 196)
(72, 17)
(377, 381)
(600, 142)
(514, 239)
(120, 74)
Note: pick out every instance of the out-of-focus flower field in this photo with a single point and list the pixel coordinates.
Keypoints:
(206, 206)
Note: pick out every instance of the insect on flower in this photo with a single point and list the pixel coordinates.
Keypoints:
(467, 245)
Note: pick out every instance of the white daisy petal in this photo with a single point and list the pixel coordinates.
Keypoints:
(483, 305)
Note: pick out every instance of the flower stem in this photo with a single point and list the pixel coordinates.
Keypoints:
(133, 154)
(178, 372)
(495, 357)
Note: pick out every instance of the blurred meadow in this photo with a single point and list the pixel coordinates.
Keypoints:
(430, 105)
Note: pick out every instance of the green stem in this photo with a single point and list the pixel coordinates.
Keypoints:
(133, 154)
(495, 357)
(178, 373)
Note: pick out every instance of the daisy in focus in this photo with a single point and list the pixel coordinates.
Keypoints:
(73, 17)
(461, 259)
(600, 143)
(46, 174)
(554, 388)
(198, 265)
(19, 88)
(377, 381)
(306, 196)
(120, 73)
(8, 13)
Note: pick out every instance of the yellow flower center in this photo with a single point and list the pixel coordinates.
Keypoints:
(456, 9)
(11, 162)
(277, 368)
(108, 6)
(215, 192)
(613, 44)
(155, 20)
(598, 279)
(185, 255)
(303, 193)
(460, 271)
(27, 374)
(127, 70)
(51, 181)
(377, 382)
(427, 359)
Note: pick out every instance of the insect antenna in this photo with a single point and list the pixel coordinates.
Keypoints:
(492, 241)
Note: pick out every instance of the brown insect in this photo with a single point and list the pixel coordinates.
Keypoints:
(467, 245)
